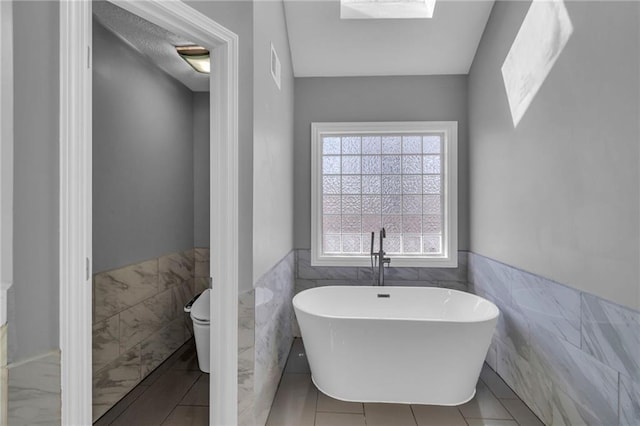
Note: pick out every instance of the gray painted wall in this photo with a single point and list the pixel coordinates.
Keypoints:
(272, 141)
(237, 16)
(559, 195)
(412, 98)
(33, 298)
(143, 188)
(201, 177)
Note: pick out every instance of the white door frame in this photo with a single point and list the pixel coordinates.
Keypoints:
(75, 200)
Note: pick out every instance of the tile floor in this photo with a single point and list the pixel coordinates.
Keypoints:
(174, 394)
(177, 394)
(299, 403)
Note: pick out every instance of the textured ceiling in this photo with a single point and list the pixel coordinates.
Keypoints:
(322, 44)
(156, 43)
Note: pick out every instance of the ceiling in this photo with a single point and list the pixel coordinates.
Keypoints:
(324, 45)
(154, 42)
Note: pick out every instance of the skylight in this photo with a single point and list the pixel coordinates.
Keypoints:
(386, 9)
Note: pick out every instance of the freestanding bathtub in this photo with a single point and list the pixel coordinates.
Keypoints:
(417, 345)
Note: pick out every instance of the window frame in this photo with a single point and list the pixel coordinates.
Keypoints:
(449, 129)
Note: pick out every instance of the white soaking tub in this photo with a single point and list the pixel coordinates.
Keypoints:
(417, 345)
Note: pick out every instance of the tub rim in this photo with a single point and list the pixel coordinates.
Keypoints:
(491, 317)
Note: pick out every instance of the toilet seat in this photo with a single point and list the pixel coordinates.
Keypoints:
(200, 311)
(200, 322)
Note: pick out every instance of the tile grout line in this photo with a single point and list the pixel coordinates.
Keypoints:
(189, 390)
(512, 399)
(415, 419)
(500, 400)
(315, 413)
(126, 408)
(168, 415)
(462, 415)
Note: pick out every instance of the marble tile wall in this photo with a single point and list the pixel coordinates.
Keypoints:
(308, 276)
(273, 331)
(246, 358)
(34, 391)
(572, 357)
(4, 391)
(265, 336)
(201, 272)
(139, 320)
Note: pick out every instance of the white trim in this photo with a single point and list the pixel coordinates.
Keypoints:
(75, 212)
(449, 259)
(224, 262)
(181, 19)
(6, 154)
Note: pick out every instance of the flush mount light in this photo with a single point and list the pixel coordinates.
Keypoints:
(196, 56)
(386, 9)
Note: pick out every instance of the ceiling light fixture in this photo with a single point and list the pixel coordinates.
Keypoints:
(196, 56)
(386, 9)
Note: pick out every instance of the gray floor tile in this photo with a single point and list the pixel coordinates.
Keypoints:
(521, 413)
(484, 406)
(199, 392)
(297, 361)
(187, 359)
(120, 406)
(434, 415)
(157, 402)
(497, 386)
(491, 422)
(295, 402)
(340, 419)
(388, 415)
(332, 405)
(182, 351)
(184, 415)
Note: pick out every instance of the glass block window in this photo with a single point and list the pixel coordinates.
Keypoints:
(400, 176)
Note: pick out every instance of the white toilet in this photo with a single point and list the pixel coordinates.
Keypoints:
(201, 317)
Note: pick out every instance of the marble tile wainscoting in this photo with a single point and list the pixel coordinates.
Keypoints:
(572, 357)
(246, 357)
(4, 381)
(308, 276)
(265, 316)
(34, 391)
(138, 320)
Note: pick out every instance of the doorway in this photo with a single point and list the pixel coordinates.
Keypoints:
(76, 196)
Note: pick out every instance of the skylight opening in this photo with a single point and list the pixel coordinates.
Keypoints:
(386, 9)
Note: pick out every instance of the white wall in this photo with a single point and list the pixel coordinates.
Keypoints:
(272, 140)
(559, 195)
(6, 154)
(143, 157)
(237, 16)
(201, 166)
(411, 98)
(33, 298)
